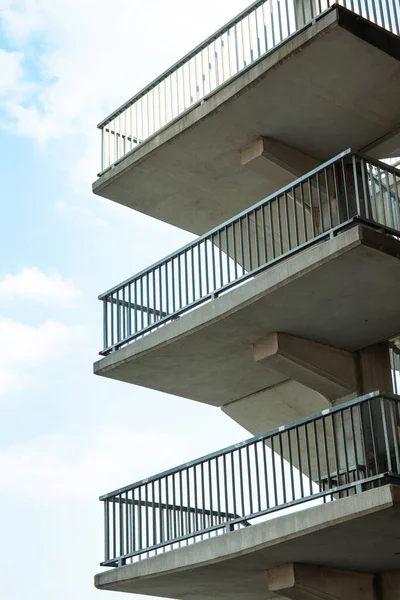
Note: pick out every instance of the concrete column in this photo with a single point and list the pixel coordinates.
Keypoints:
(389, 586)
(369, 435)
(309, 582)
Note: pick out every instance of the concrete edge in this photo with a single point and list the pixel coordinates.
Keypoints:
(225, 93)
(257, 537)
(235, 299)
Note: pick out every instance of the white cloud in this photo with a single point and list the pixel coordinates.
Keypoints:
(24, 347)
(33, 284)
(85, 67)
(11, 72)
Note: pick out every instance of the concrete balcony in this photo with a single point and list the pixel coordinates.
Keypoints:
(224, 525)
(265, 100)
(312, 273)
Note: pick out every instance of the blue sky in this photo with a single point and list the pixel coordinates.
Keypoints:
(66, 436)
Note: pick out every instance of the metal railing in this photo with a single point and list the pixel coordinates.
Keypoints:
(337, 452)
(313, 207)
(245, 39)
(394, 352)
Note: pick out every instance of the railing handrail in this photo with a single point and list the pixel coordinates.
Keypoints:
(253, 440)
(191, 54)
(248, 210)
(228, 222)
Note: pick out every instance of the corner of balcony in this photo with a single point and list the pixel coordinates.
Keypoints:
(237, 89)
(316, 491)
(317, 261)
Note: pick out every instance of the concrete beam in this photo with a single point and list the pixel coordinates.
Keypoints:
(327, 370)
(390, 585)
(375, 369)
(308, 582)
(276, 154)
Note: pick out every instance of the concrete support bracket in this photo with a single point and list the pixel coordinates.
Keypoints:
(327, 370)
(309, 582)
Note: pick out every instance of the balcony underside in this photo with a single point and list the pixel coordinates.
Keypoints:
(358, 533)
(327, 88)
(343, 292)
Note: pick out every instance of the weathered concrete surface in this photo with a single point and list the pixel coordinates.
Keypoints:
(331, 293)
(329, 371)
(359, 533)
(298, 581)
(322, 91)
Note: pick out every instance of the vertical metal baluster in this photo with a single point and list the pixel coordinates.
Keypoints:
(346, 454)
(153, 500)
(353, 434)
(365, 190)
(141, 303)
(146, 519)
(250, 267)
(290, 463)
(228, 268)
(193, 275)
(274, 472)
(310, 195)
(256, 240)
(203, 498)
(118, 317)
(236, 48)
(210, 493)
(182, 518)
(148, 298)
(166, 288)
(317, 454)
(328, 468)
(140, 517)
(296, 228)
(105, 321)
(243, 510)
(233, 484)
(188, 521)
(278, 204)
(241, 244)
(133, 524)
(264, 234)
(225, 488)
(282, 468)
(265, 472)
(234, 249)
(218, 490)
(271, 224)
(321, 208)
(395, 434)
(385, 435)
(300, 467)
(220, 259)
(289, 238)
(249, 482)
(309, 466)
(213, 264)
(114, 528)
(328, 199)
(106, 530)
(121, 527)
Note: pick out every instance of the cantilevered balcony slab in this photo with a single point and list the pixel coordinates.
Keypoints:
(358, 533)
(333, 85)
(343, 292)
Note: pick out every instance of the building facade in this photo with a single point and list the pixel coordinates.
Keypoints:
(275, 142)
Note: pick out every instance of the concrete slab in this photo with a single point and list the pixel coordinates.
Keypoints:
(359, 533)
(342, 292)
(324, 90)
